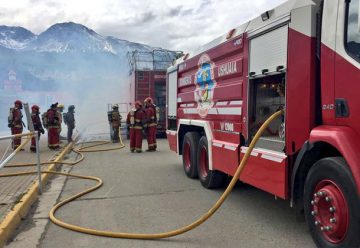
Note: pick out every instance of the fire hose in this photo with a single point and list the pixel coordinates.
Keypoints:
(112, 234)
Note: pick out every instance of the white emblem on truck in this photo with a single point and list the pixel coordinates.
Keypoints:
(205, 85)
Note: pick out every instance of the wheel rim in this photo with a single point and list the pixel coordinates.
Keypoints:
(187, 155)
(330, 211)
(203, 163)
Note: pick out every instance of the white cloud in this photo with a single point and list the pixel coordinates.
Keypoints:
(177, 25)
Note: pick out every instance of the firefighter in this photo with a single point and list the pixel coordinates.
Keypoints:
(69, 120)
(15, 123)
(115, 123)
(151, 111)
(135, 121)
(52, 123)
(35, 111)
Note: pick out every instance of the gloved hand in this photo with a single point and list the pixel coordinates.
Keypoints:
(10, 125)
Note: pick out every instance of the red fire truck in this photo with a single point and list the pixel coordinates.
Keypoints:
(303, 57)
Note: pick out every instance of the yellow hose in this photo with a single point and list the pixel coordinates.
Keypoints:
(78, 151)
(98, 143)
(184, 229)
(172, 233)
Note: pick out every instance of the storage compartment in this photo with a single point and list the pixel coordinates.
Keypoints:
(267, 95)
(269, 51)
(172, 93)
(171, 99)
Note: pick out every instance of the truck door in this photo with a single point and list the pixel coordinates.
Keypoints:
(347, 65)
(328, 47)
(268, 63)
(171, 105)
(266, 94)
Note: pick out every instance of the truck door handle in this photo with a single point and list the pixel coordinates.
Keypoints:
(342, 108)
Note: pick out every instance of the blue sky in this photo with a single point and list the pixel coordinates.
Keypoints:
(177, 25)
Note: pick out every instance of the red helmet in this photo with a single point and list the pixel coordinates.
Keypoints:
(35, 107)
(148, 100)
(138, 104)
(18, 102)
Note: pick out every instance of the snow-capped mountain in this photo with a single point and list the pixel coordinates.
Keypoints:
(15, 37)
(119, 45)
(65, 37)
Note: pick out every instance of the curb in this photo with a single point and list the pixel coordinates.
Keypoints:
(19, 211)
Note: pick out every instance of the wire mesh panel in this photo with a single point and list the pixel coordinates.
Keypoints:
(151, 60)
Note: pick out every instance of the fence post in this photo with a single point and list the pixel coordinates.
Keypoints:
(38, 160)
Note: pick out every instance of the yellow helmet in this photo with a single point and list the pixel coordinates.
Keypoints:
(61, 106)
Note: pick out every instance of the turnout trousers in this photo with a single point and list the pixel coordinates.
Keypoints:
(135, 139)
(33, 143)
(53, 137)
(69, 134)
(115, 134)
(151, 137)
(16, 141)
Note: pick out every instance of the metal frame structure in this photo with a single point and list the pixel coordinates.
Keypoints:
(30, 134)
(150, 60)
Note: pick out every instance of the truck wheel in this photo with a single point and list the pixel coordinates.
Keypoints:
(332, 204)
(210, 179)
(190, 145)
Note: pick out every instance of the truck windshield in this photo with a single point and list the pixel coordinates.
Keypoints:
(352, 36)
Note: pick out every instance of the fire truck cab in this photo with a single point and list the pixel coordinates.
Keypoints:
(304, 57)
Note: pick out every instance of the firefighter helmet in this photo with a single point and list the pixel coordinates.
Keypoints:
(54, 105)
(18, 102)
(115, 106)
(71, 107)
(148, 100)
(138, 104)
(60, 106)
(35, 107)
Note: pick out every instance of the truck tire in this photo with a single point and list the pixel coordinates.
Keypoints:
(189, 151)
(210, 179)
(332, 204)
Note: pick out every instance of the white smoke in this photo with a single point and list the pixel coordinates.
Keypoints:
(81, 71)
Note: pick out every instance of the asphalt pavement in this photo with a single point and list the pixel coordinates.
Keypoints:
(149, 193)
